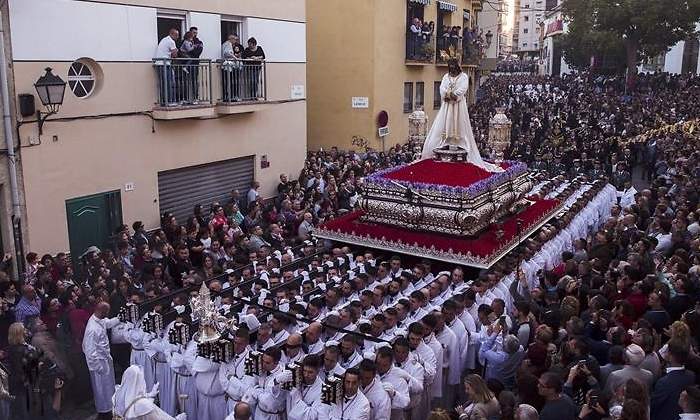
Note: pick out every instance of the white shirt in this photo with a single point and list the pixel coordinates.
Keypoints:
(165, 47)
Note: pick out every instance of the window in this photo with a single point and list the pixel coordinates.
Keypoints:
(437, 100)
(525, 30)
(81, 79)
(420, 94)
(231, 26)
(408, 97)
(170, 20)
(527, 18)
(534, 45)
(524, 44)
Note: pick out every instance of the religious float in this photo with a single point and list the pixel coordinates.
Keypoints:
(450, 205)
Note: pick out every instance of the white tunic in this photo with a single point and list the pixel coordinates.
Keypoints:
(138, 340)
(304, 402)
(438, 351)
(210, 395)
(396, 378)
(267, 396)
(354, 408)
(234, 381)
(99, 361)
(379, 401)
(451, 356)
(181, 362)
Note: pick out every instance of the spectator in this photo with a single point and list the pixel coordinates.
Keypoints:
(256, 55)
(667, 391)
(634, 356)
(557, 406)
(483, 403)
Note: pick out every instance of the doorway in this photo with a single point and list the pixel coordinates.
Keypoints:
(92, 220)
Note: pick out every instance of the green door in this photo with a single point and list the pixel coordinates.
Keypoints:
(92, 221)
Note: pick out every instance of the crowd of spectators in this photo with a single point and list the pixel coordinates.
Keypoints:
(517, 66)
(607, 326)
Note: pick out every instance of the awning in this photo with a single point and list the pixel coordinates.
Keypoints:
(423, 2)
(447, 6)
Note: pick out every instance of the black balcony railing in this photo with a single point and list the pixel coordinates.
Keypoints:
(242, 80)
(183, 81)
(444, 44)
(419, 48)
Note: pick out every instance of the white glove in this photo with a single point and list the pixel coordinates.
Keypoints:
(389, 388)
(154, 390)
(404, 375)
(285, 376)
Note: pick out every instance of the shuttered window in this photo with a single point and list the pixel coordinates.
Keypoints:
(179, 190)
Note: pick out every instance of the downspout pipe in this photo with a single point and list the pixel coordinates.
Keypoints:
(10, 146)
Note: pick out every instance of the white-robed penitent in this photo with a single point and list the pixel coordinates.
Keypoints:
(181, 361)
(350, 408)
(99, 361)
(267, 397)
(133, 402)
(158, 349)
(398, 380)
(379, 401)
(304, 402)
(138, 340)
(211, 403)
(234, 381)
(453, 121)
(425, 356)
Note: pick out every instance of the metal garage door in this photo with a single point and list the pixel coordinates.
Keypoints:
(179, 190)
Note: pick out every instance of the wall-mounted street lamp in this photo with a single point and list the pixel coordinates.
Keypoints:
(50, 89)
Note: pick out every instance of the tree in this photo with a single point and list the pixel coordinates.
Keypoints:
(645, 28)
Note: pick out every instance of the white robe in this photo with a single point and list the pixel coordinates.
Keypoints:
(438, 351)
(401, 399)
(163, 375)
(99, 361)
(379, 401)
(453, 120)
(234, 380)
(355, 408)
(451, 356)
(267, 396)
(181, 362)
(210, 395)
(426, 358)
(138, 340)
(304, 402)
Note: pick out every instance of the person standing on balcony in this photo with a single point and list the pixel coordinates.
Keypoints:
(186, 74)
(165, 51)
(232, 52)
(194, 54)
(256, 55)
(415, 39)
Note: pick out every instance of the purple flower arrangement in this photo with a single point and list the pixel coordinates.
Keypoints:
(515, 169)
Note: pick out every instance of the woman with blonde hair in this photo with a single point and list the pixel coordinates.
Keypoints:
(483, 403)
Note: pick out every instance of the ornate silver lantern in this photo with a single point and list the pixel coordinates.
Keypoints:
(211, 322)
(418, 127)
(499, 134)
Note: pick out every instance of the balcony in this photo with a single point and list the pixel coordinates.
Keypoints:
(471, 53)
(443, 45)
(184, 88)
(419, 49)
(243, 87)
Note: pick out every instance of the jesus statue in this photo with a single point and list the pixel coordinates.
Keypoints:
(452, 126)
